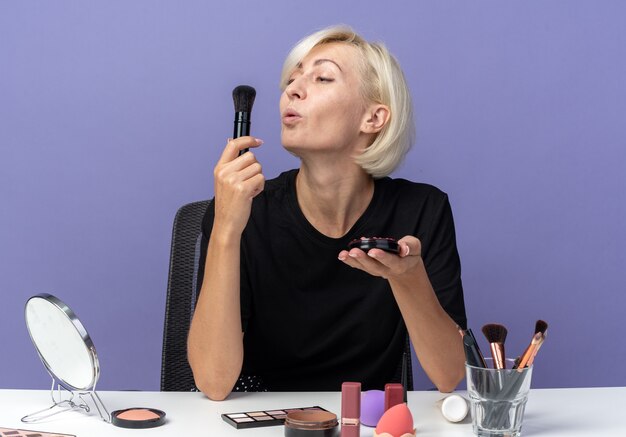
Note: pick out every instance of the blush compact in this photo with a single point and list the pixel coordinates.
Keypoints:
(138, 418)
(365, 244)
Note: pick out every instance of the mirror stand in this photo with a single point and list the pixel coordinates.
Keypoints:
(64, 399)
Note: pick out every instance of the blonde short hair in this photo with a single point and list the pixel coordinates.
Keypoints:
(382, 82)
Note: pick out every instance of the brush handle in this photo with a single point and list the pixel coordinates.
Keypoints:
(531, 351)
(242, 127)
(532, 357)
(472, 352)
(404, 376)
(497, 351)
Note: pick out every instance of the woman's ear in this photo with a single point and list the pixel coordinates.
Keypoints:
(376, 117)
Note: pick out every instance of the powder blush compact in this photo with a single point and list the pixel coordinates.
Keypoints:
(365, 244)
(138, 418)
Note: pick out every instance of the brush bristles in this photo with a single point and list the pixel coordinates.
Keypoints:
(243, 97)
(541, 326)
(495, 333)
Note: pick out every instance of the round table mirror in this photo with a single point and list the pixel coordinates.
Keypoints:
(65, 349)
(62, 343)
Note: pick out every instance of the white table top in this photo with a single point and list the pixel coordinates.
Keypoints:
(550, 412)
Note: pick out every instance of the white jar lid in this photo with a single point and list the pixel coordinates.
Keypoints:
(454, 408)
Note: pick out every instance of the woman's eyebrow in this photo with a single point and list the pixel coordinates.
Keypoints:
(321, 61)
(318, 62)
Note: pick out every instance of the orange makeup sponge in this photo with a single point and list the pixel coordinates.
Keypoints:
(396, 422)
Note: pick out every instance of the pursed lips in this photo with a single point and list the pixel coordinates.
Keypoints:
(291, 116)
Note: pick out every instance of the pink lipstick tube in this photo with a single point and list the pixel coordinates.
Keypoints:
(394, 395)
(350, 409)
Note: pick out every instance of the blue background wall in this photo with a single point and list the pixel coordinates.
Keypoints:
(112, 115)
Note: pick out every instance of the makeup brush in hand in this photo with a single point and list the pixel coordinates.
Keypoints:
(496, 335)
(243, 98)
(531, 351)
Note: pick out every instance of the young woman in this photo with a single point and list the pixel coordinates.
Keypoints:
(283, 299)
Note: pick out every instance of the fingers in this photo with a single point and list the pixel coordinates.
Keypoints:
(242, 177)
(244, 168)
(410, 245)
(231, 151)
(256, 183)
(369, 261)
(237, 180)
(235, 171)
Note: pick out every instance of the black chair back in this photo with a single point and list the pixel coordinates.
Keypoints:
(182, 291)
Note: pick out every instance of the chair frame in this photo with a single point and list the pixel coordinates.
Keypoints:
(182, 289)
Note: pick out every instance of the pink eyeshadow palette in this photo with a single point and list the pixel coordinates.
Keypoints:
(10, 432)
(256, 419)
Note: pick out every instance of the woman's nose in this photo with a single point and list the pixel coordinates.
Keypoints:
(295, 90)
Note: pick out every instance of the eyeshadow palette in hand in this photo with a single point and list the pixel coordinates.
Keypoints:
(365, 244)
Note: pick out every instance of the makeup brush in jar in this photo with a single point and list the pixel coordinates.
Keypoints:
(496, 336)
(473, 356)
(529, 354)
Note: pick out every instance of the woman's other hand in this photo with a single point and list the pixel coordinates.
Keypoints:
(377, 262)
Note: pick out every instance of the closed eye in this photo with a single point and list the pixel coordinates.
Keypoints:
(324, 79)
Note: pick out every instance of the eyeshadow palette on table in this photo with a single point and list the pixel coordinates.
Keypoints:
(11, 432)
(255, 419)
